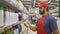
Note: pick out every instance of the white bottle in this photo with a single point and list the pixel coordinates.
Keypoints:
(1, 16)
(16, 31)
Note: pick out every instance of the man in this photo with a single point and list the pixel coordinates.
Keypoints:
(45, 25)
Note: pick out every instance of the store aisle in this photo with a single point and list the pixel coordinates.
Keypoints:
(15, 13)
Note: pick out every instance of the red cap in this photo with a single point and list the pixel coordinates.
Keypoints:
(42, 4)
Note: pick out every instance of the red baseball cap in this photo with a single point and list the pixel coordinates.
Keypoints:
(41, 4)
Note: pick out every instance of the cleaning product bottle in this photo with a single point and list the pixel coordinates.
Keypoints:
(16, 30)
(20, 28)
(1, 16)
(17, 3)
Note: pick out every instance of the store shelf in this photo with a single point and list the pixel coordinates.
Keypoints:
(1, 30)
(7, 27)
(4, 29)
(7, 4)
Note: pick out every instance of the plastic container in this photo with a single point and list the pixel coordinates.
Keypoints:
(16, 29)
(1, 16)
(17, 3)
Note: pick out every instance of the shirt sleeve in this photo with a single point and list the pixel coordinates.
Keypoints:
(53, 24)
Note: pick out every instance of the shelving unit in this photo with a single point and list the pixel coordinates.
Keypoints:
(7, 4)
(6, 28)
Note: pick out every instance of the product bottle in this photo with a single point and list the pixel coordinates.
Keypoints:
(16, 30)
(1, 16)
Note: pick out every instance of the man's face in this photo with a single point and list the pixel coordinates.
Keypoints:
(41, 10)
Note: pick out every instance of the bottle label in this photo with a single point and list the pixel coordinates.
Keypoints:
(1, 18)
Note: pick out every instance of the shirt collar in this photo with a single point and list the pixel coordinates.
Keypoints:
(46, 15)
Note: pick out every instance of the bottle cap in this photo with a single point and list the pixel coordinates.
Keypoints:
(1, 8)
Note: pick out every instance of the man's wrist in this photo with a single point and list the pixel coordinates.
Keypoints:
(29, 26)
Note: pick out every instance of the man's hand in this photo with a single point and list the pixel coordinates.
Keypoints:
(27, 25)
(55, 31)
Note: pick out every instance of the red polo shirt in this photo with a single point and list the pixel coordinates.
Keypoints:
(40, 25)
(46, 24)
